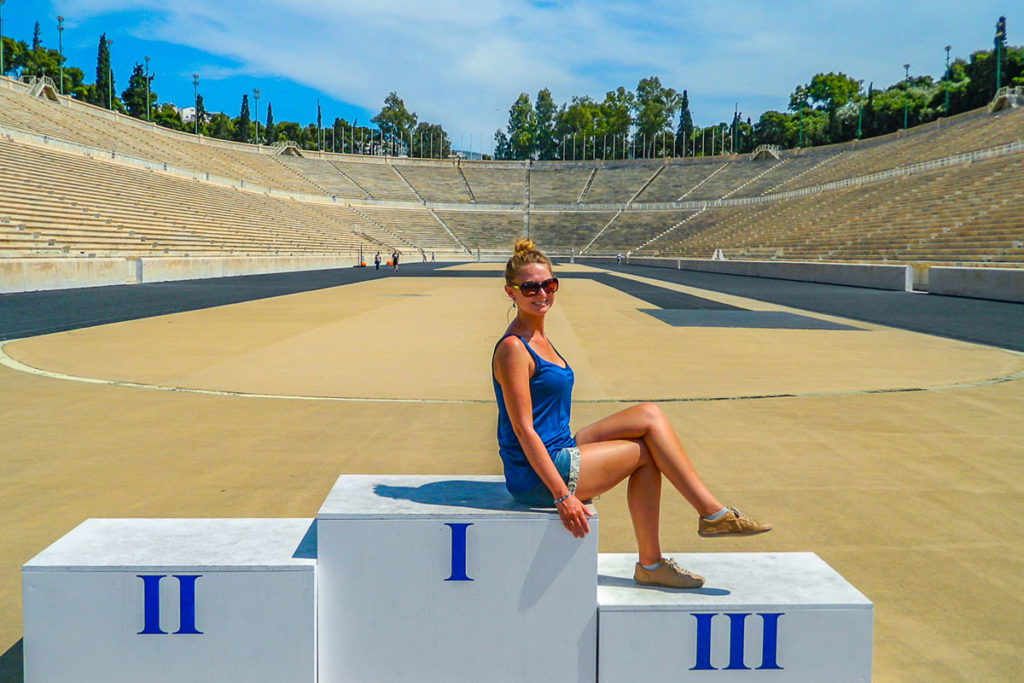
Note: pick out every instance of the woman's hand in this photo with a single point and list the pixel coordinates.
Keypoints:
(574, 514)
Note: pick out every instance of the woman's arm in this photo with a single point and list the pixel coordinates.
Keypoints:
(512, 368)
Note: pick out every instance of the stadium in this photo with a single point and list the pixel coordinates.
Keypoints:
(188, 331)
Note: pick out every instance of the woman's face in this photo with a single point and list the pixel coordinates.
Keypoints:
(539, 303)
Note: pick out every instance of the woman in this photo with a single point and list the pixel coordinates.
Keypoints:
(545, 465)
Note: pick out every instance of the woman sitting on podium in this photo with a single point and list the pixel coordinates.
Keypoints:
(546, 465)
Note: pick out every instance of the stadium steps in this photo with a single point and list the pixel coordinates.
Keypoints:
(704, 180)
(407, 183)
(469, 190)
(586, 185)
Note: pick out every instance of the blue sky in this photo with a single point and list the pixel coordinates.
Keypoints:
(462, 63)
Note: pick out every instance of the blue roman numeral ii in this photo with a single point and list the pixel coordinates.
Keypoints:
(186, 607)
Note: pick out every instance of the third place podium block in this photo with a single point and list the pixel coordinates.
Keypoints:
(433, 578)
(759, 617)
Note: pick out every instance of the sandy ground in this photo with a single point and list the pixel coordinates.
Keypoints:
(913, 496)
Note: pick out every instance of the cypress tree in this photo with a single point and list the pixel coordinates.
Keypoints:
(200, 112)
(242, 132)
(102, 93)
(685, 124)
(270, 133)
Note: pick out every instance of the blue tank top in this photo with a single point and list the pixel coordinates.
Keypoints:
(551, 396)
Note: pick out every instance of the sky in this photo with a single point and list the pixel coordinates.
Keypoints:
(462, 63)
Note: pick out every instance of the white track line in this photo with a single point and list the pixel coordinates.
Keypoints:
(13, 364)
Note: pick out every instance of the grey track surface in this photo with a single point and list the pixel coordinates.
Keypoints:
(994, 323)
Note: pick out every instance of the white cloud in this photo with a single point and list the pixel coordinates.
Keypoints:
(463, 62)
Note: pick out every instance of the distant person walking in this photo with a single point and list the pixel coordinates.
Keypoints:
(618, 259)
(394, 260)
(376, 261)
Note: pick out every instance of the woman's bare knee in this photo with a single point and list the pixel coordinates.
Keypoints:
(651, 415)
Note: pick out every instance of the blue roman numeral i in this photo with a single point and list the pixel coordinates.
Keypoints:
(458, 551)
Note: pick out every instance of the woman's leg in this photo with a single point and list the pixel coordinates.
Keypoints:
(646, 424)
(604, 464)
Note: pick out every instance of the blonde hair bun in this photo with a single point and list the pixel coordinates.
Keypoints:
(523, 246)
(525, 251)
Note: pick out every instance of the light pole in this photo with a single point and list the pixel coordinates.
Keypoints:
(195, 101)
(147, 88)
(946, 79)
(256, 96)
(110, 77)
(906, 93)
(60, 51)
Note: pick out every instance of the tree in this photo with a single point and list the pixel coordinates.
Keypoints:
(13, 51)
(616, 120)
(102, 93)
(166, 116)
(430, 139)
(546, 111)
(685, 124)
(772, 129)
(271, 132)
(134, 96)
(243, 124)
(522, 128)
(826, 92)
(201, 115)
(654, 109)
(221, 127)
(502, 148)
(395, 122)
(579, 123)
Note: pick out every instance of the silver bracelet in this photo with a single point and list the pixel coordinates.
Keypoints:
(562, 498)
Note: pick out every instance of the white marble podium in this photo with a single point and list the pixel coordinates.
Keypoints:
(759, 617)
(441, 579)
(421, 578)
(172, 600)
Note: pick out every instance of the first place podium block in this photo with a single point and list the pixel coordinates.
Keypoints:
(172, 600)
(759, 617)
(430, 578)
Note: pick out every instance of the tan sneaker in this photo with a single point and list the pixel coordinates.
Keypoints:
(667, 574)
(732, 523)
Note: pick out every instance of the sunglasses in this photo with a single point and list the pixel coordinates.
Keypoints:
(530, 288)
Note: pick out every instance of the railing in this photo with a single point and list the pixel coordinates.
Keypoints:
(766, 150)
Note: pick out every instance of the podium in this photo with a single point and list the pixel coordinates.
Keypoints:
(451, 580)
(759, 617)
(171, 600)
(407, 578)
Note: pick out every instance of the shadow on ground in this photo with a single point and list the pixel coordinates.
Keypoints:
(12, 664)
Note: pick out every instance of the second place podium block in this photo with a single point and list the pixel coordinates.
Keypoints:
(428, 577)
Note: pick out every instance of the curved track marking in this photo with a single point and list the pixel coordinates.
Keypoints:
(13, 364)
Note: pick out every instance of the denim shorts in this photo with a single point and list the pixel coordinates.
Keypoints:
(567, 462)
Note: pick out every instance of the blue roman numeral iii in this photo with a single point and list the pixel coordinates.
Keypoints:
(186, 607)
(769, 641)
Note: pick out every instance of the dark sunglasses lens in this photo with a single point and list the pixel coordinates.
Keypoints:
(530, 288)
(550, 286)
